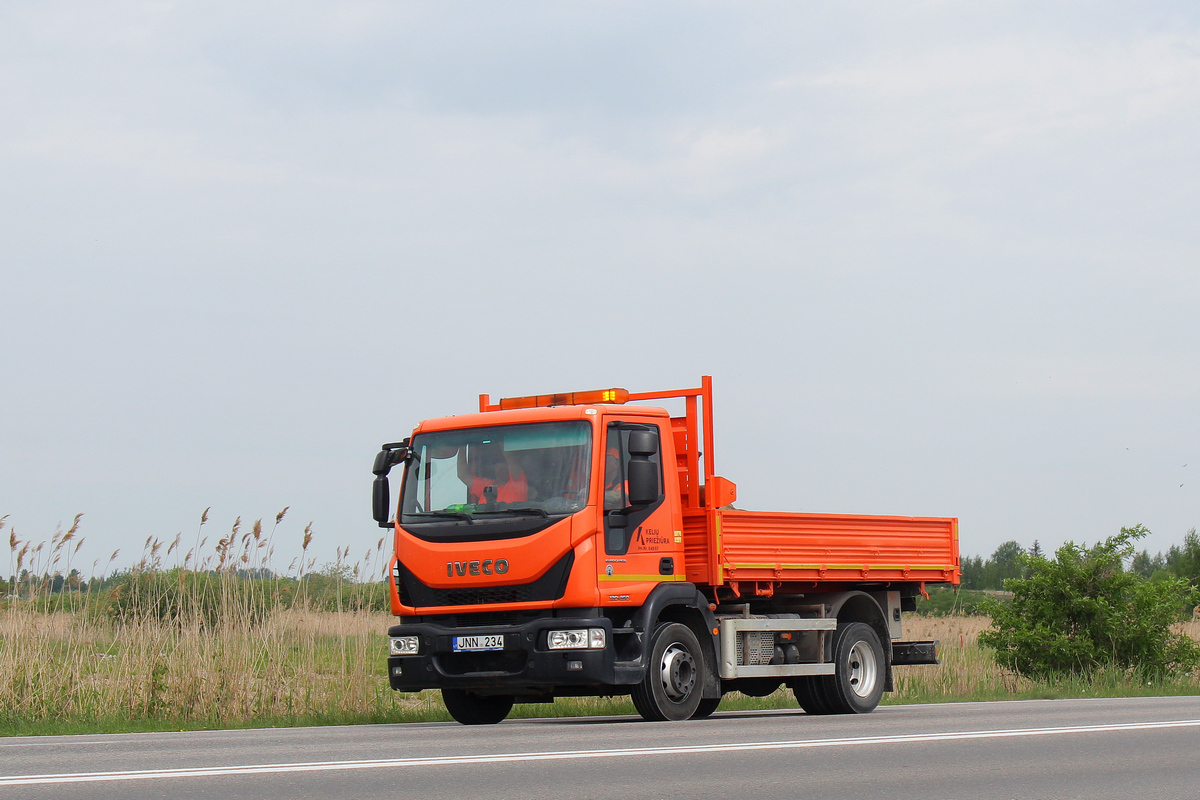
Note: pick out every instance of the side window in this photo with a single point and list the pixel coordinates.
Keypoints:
(615, 461)
(616, 482)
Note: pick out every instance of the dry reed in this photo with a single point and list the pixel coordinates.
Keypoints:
(205, 643)
(211, 641)
(968, 672)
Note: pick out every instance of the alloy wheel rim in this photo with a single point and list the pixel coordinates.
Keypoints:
(863, 669)
(678, 672)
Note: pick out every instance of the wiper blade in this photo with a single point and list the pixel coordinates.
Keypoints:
(520, 511)
(448, 514)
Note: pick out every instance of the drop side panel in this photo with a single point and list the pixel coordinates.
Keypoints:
(766, 546)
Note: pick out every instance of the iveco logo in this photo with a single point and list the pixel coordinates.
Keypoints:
(485, 567)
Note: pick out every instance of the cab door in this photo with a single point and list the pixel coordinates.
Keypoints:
(639, 550)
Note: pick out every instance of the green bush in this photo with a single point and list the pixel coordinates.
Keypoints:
(1083, 611)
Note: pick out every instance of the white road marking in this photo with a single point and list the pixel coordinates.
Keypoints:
(504, 758)
(54, 743)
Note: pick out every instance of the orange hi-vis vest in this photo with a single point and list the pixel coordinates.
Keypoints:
(514, 490)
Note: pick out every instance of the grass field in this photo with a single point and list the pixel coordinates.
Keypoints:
(224, 640)
(967, 671)
(78, 671)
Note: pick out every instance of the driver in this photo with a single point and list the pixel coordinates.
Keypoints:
(497, 468)
(614, 483)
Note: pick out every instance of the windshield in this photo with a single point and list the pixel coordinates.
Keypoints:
(539, 469)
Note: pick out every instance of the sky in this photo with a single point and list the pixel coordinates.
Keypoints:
(940, 258)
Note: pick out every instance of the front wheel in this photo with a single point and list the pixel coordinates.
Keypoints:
(674, 682)
(476, 709)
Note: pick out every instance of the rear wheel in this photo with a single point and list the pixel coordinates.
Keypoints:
(476, 709)
(673, 686)
(707, 706)
(807, 690)
(856, 686)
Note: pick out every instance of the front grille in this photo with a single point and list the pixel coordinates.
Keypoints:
(475, 597)
(551, 586)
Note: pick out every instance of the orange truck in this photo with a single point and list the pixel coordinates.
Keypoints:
(581, 544)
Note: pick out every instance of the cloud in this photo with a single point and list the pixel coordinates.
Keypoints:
(293, 229)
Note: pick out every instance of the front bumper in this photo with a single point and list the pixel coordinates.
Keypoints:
(524, 666)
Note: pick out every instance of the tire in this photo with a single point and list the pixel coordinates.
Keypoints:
(673, 686)
(476, 709)
(856, 686)
(807, 691)
(707, 706)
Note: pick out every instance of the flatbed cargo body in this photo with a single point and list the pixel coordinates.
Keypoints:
(730, 547)
(581, 544)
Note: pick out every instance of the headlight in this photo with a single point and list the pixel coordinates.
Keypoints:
(568, 640)
(403, 645)
(580, 639)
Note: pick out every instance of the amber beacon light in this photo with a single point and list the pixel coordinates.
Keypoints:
(617, 396)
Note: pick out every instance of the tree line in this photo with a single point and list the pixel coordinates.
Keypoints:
(1008, 562)
(128, 592)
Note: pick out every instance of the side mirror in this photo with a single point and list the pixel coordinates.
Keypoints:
(642, 443)
(643, 481)
(380, 500)
(390, 455)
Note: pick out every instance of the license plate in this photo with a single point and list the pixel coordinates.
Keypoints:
(464, 643)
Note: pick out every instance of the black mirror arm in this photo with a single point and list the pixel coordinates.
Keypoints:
(390, 455)
(619, 517)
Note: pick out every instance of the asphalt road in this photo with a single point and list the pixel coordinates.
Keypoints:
(1125, 748)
